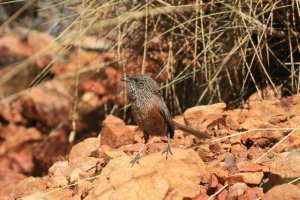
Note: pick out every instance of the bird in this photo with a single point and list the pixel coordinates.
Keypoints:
(151, 113)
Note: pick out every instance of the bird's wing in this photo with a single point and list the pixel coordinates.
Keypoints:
(158, 92)
(162, 108)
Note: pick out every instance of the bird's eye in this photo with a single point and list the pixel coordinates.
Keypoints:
(141, 84)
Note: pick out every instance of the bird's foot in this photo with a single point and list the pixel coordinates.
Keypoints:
(136, 159)
(167, 150)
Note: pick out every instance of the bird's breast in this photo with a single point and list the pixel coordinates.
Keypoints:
(148, 117)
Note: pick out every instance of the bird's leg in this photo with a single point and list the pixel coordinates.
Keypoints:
(139, 155)
(168, 149)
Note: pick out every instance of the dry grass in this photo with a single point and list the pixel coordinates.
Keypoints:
(209, 52)
(204, 52)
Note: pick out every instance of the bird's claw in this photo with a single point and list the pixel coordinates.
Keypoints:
(167, 151)
(136, 159)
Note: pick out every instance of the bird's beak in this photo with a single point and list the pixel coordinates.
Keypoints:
(126, 79)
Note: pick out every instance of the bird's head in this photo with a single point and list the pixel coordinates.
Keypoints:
(140, 84)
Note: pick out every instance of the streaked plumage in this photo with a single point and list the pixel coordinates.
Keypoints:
(150, 111)
(148, 108)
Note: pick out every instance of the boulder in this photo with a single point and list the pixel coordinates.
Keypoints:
(153, 178)
(115, 133)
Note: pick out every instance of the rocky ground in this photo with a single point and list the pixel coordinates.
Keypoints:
(253, 154)
(230, 166)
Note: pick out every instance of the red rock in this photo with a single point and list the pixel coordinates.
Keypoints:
(235, 179)
(219, 173)
(201, 196)
(220, 131)
(237, 115)
(235, 140)
(77, 174)
(94, 86)
(100, 152)
(179, 119)
(12, 112)
(286, 167)
(236, 190)
(262, 138)
(79, 59)
(213, 181)
(254, 178)
(13, 44)
(16, 152)
(248, 167)
(86, 164)
(9, 180)
(79, 167)
(138, 134)
(7, 198)
(269, 108)
(229, 121)
(294, 141)
(215, 147)
(84, 149)
(290, 104)
(226, 146)
(281, 147)
(14, 135)
(204, 153)
(152, 176)
(252, 193)
(35, 42)
(83, 188)
(203, 188)
(48, 104)
(293, 122)
(22, 161)
(179, 139)
(58, 168)
(242, 157)
(222, 165)
(29, 186)
(189, 141)
(89, 101)
(50, 193)
(277, 119)
(114, 153)
(155, 147)
(284, 192)
(57, 181)
(265, 168)
(173, 195)
(131, 148)
(236, 149)
(204, 117)
(253, 153)
(253, 122)
(223, 195)
(51, 151)
(115, 133)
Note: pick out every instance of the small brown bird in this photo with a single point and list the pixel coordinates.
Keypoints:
(151, 113)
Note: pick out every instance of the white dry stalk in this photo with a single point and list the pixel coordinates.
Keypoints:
(257, 129)
(284, 138)
(219, 191)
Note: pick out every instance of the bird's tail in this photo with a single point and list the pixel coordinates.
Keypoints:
(191, 130)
